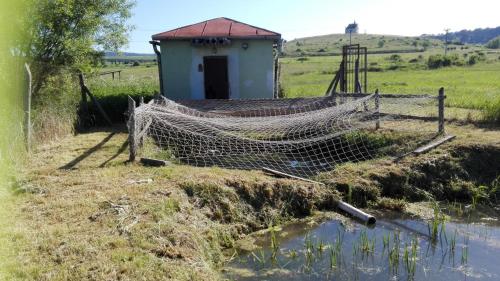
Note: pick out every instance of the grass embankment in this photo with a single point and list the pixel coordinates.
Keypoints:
(94, 216)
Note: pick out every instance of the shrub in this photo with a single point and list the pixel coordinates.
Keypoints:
(473, 59)
(381, 43)
(413, 61)
(302, 59)
(136, 63)
(437, 61)
(494, 43)
(395, 58)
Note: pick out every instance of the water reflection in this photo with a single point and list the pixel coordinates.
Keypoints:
(395, 249)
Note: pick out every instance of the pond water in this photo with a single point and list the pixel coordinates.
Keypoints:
(396, 248)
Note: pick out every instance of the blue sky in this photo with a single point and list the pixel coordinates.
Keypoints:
(295, 19)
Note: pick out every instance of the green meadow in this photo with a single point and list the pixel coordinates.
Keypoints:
(473, 86)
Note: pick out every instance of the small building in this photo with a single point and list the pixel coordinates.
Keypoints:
(352, 28)
(217, 59)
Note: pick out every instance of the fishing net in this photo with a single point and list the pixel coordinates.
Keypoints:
(302, 136)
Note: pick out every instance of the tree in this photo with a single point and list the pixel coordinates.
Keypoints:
(494, 43)
(71, 34)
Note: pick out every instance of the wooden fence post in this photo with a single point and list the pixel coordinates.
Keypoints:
(131, 129)
(441, 98)
(27, 111)
(377, 110)
(84, 105)
(85, 92)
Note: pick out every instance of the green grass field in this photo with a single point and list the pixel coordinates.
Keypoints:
(473, 87)
(467, 86)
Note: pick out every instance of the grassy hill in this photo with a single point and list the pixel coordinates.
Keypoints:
(331, 44)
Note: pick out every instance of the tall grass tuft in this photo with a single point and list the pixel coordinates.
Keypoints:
(55, 108)
(491, 112)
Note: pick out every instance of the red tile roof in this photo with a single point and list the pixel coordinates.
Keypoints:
(219, 27)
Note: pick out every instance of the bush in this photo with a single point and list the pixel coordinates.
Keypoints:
(473, 59)
(494, 43)
(381, 43)
(136, 63)
(437, 61)
(395, 58)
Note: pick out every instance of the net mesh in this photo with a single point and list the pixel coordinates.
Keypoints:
(302, 136)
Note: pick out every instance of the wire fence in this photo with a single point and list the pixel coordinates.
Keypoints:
(301, 136)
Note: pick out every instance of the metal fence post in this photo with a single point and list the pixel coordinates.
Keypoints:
(377, 110)
(27, 110)
(441, 98)
(131, 129)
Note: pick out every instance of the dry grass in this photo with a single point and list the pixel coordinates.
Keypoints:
(87, 214)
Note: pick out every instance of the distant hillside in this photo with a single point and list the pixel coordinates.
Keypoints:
(126, 57)
(332, 44)
(476, 36)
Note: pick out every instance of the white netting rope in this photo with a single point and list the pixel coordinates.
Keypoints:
(297, 136)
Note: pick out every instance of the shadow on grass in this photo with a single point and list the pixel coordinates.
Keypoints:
(122, 148)
(87, 153)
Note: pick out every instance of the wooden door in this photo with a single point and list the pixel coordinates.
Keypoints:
(216, 77)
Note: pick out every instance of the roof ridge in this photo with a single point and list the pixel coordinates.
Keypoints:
(221, 21)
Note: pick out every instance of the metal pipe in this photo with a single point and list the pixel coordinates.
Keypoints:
(158, 59)
(367, 218)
